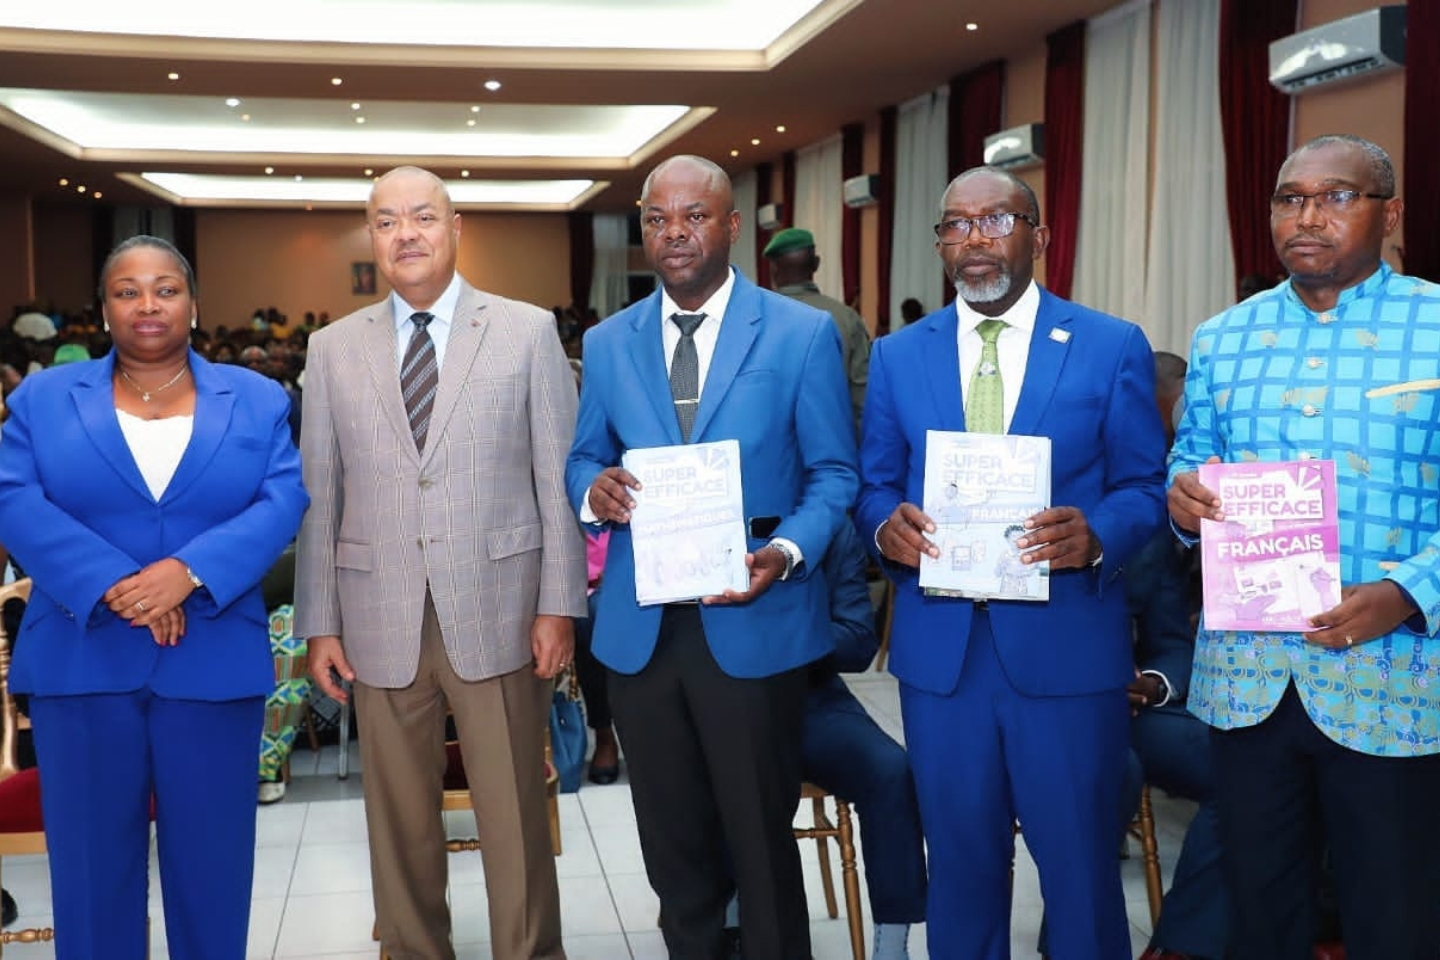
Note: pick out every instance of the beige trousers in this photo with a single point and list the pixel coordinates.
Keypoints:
(402, 748)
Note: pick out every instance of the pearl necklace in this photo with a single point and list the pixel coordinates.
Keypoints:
(145, 394)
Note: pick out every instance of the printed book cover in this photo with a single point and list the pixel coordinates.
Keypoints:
(688, 525)
(979, 489)
(1274, 561)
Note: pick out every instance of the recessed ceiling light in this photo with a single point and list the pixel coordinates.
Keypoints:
(475, 109)
(245, 117)
(298, 178)
(359, 119)
(97, 194)
(64, 182)
(469, 123)
(780, 129)
(492, 85)
(336, 81)
(972, 26)
(755, 142)
(80, 189)
(354, 106)
(464, 173)
(269, 170)
(232, 101)
(173, 75)
(369, 171)
(734, 153)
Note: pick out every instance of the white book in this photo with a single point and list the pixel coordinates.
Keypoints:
(688, 525)
(979, 489)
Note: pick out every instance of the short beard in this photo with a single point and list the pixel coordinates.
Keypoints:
(985, 292)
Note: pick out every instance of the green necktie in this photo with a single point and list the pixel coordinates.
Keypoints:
(985, 404)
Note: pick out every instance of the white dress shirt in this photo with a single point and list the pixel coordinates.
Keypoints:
(706, 334)
(1013, 345)
(443, 310)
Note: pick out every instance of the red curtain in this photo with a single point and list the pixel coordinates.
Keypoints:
(885, 235)
(1421, 255)
(764, 174)
(976, 99)
(582, 257)
(787, 184)
(1255, 120)
(1064, 130)
(852, 164)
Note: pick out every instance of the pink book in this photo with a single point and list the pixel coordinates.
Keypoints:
(1274, 562)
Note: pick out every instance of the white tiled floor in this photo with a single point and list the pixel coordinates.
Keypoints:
(312, 874)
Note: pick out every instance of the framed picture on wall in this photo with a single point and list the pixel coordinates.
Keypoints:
(362, 278)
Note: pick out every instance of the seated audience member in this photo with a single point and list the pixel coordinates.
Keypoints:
(1170, 748)
(911, 310)
(1171, 745)
(605, 762)
(844, 751)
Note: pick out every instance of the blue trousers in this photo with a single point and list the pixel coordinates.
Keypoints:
(101, 758)
(984, 756)
(846, 752)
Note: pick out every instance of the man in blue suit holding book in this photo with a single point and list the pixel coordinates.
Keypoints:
(709, 697)
(1016, 709)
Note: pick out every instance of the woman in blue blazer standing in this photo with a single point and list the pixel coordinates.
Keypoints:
(146, 493)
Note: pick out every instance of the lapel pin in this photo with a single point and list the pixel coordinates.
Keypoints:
(1059, 336)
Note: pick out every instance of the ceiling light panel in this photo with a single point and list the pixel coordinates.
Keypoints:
(203, 188)
(696, 25)
(126, 123)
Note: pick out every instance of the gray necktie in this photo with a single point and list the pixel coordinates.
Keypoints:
(685, 372)
(419, 376)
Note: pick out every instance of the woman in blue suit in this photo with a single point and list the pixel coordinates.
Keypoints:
(146, 493)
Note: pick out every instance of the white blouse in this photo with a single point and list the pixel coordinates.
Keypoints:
(157, 446)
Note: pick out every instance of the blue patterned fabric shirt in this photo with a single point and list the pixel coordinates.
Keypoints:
(1359, 384)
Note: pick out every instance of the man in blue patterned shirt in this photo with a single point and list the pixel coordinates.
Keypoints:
(1333, 734)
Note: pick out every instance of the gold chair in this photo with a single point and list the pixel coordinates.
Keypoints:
(1142, 828)
(22, 828)
(842, 831)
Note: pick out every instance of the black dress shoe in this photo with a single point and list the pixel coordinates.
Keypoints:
(604, 775)
(732, 943)
(8, 909)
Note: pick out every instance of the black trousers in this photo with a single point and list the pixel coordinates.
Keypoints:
(1284, 789)
(714, 766)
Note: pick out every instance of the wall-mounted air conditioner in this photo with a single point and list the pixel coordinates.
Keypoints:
(1018, 148)
(769, 216)
(861, 191)
(1340, 50)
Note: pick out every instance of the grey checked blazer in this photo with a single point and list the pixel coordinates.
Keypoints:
(481, 515)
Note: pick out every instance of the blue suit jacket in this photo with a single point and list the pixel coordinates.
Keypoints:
(1089, 387)
(776, 385)
(77, 514)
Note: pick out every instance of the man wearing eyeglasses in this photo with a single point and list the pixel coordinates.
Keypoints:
(1332, 733)
(1016, 710)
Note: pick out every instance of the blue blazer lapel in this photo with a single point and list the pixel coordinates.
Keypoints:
(214, 403)
(738, 331)
(1049, 346)
(941, 366)
(648, 355)
(94, 400)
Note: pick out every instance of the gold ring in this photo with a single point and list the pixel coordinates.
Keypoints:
(1349, 640)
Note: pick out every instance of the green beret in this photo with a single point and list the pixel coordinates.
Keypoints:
(791, 238)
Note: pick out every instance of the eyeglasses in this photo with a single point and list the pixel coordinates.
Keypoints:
(1336, 201)
(993, 226)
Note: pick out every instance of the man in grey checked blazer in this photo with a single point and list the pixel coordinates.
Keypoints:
(442, 573)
